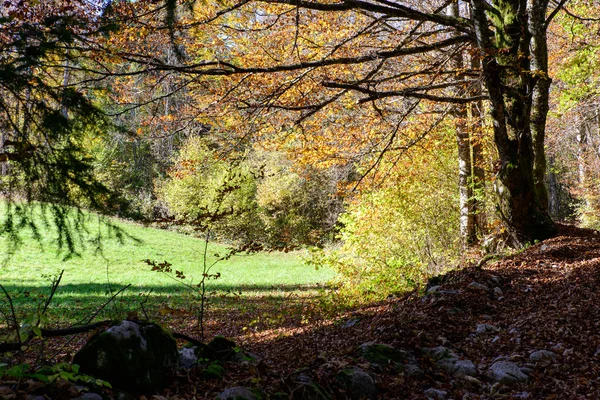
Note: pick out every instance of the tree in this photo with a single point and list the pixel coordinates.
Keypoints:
(376, 52)
(44, 118)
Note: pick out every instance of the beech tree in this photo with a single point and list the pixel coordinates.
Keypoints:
(394, 52)
(320, 72)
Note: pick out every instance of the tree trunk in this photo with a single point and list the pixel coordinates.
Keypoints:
(468, 230)
(509, 81)
(477, 117)
(540, 93)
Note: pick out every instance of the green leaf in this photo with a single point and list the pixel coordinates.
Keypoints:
(37, 331)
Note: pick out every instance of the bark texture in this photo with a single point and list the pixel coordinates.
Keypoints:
(506, 65)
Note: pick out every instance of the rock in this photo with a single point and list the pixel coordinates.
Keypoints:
(543, 356)
(478, 286)
(464, 368)
(89, 396)
(485, 328)
(449, 361)
(237, 393)
(131, 356)
(357, 383)
(434, 289)
(498, 292)
(223, 348)
(568, 352)
(520, 395)
(387, 356)
(436, 394)
(188, 358)
(309, 390)
(506, 372)
(350, 323)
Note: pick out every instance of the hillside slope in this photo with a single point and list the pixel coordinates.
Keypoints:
(547, 298)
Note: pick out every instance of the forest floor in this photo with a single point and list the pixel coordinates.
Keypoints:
(546, 297)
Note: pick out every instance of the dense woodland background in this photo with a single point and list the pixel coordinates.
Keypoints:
(276, 126)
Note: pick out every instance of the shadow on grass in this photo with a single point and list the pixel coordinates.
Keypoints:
(76, 302)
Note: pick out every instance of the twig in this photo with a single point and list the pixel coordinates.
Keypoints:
(107, 303)
(46, 333)
(14, 315)
(53, 289)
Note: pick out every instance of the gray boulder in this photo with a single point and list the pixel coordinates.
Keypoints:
(449, 361)
(132, 356)
(436, 394)
(358, 384)
(543, 356)
(188, 358)
(507, 372)
(237, 393)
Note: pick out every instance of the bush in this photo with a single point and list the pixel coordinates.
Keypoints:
(395, 236)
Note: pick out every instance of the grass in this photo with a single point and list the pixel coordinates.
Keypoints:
(93, 276)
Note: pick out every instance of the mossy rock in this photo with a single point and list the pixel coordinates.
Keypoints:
(386, 356)
(137, 357)
(223, 348)
(213, 370)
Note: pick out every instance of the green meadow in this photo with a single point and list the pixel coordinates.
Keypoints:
(98, 271)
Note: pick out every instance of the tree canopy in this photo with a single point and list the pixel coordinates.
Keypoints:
(335, 81)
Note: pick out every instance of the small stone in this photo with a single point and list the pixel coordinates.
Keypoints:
(543, 356)
(520, 395)
(478, 286)
(485, 328)
(237, 393)
(351, 322)
(472, 381)
(558, 348)
(436, 394)
(498, 292)
(568, 352)
(495, 339)
(433, 289)
(507, 373)
(543, 247)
